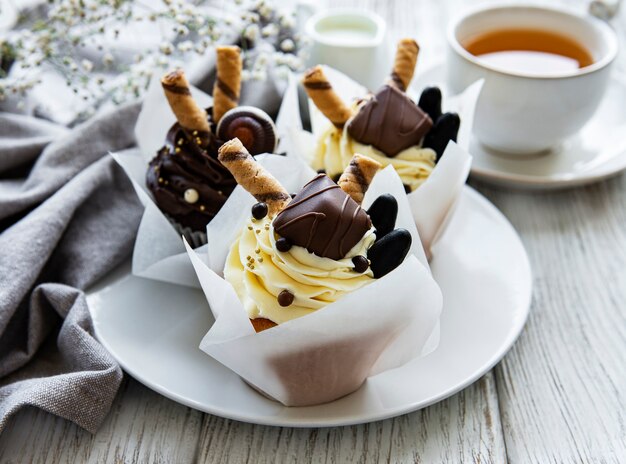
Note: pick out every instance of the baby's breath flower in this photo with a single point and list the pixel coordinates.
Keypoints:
(86, 65)
(56, 41)
(108, 59)
(166, 48)
(251, 32)
(270, 30)
(287, 45)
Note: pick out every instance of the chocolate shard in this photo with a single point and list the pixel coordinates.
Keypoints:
(383, 214)
(390, 121)
(430, 102)
(323, 219)
(446, 129)
(389, 252)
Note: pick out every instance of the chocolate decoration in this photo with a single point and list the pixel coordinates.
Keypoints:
(282, 244)
(383, 214)
(388, 253)
(407, 188)
(285, 298)
(259, 210)
(446, 129)
(323, 219)
(430, 102)
(182, 165)
(390, 121)
(360, 264)
(252, 126)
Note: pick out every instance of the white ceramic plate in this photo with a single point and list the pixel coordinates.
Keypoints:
(154, 329)
(598, 151)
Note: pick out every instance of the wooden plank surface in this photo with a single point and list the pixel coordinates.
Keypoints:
(558, 396)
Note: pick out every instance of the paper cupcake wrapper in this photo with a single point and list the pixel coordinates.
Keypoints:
(329, 353)
(195, 238)
(433, 207)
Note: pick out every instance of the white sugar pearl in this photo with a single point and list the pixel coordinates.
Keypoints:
(191, 196)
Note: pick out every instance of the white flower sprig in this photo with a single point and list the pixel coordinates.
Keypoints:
(82, 41)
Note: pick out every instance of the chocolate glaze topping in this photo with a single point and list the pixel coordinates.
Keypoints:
(183, 165)
(390, 121)
(323, 219)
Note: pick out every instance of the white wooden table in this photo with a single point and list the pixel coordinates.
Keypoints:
(558, 396)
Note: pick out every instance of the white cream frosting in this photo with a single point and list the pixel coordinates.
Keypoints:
(259, 272)
(335, 148)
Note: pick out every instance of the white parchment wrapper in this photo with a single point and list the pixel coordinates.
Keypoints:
(159, 253)
(434, 201)
(329, 353)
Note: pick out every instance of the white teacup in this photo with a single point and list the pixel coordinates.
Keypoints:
(521, 113)
(352, 41)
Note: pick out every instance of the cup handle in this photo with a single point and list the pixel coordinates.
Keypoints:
(304, 10)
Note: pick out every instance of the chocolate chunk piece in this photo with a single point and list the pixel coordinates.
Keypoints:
(430, 102)
(285, 298)
(323, 219)
(389, 252)
(390, 121)
(383, 214)
(446, 129)
(259, 210)
(360, 264)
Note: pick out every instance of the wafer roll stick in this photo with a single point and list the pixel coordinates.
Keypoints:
(253, 177)
(228, 82)
(189, 115)
(357, 176)
(404, 64)
(327, 101)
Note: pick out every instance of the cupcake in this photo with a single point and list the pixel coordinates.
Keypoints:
(387, 126)
(187, 182)
(296, 255)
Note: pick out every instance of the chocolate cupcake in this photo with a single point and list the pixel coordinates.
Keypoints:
(187, 181)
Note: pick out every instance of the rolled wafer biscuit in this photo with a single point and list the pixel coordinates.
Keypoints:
(228, 81)
(327, 101)
(189, 115)
(357, 176)
(404, 64)
(253, 177)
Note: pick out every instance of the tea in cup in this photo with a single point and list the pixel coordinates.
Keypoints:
(545, 70)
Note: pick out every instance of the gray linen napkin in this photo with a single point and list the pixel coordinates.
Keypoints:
(68, 215)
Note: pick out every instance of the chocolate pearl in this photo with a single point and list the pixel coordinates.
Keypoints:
(389, 252)
(282, 244)
(430, 102)
(321, 171)
(446, 129)
(293, 195)
(360, 264)
(285, 298)
(259, 210)
(383, 214)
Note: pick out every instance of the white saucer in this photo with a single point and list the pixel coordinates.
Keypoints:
(154, 329)
(598, 151)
